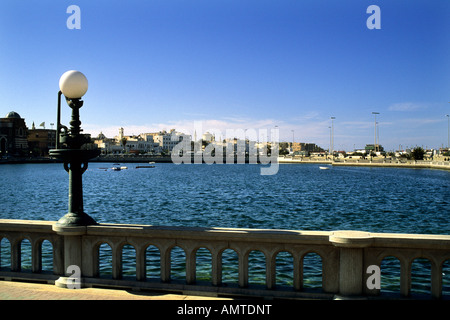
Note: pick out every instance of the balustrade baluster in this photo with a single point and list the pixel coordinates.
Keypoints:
(141, 270)
(191, 267)
(16, 256)
(36, 256)
(405, 277)
(436, 280)
(216, 268)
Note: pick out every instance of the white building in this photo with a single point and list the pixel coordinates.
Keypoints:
(168, 140)
(107, 146)
(149, 143)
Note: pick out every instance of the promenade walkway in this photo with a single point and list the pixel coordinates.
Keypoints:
(10, 290)
(420, 164)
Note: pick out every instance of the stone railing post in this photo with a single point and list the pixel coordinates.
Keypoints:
(73, 256)
(351, 261)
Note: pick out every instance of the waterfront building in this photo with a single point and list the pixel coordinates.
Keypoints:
(13, 135)
(40, 141)
(168, 140)
(144, 143)
(125, 144)
(106, 145)
(308, 147)
(138, 145)
(361, 151)
(341, 154)
(320, 154)
(239, 146)
(378, 149)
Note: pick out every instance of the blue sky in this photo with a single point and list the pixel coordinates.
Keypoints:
(155, 65)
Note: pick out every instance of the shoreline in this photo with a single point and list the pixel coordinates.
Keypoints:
(443, 165)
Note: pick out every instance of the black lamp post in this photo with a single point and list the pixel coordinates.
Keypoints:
(73, 85)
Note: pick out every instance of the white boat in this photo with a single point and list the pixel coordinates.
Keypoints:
(324, 168)
(118, 168)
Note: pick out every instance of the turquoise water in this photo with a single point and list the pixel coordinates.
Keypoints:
(298, 197)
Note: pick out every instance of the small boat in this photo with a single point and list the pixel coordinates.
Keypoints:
(324, 168)
(151, 162)
(138, 167)
(118, 168)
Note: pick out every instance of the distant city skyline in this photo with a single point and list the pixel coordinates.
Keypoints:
(158, 65)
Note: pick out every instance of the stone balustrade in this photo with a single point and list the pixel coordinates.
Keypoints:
(345, 257)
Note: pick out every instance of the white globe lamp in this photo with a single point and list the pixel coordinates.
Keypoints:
(73, 84)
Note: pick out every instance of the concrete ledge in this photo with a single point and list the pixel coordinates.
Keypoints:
(227, 234)
(28, 225)
(393, 165)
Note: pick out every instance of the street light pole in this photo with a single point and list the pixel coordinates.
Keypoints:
(375, 146)
(69, 142)
(448, 132)
(332, 137)
(329, 149)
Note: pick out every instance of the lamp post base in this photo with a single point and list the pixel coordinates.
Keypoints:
(75, 163)
(72, 219)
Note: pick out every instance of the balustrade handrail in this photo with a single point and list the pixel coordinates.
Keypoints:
(211, 233)
(345, 256)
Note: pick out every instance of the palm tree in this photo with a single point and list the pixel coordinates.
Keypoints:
(417, 153)
(124, 143)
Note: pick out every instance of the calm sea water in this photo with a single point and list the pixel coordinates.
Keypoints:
(299, 196)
